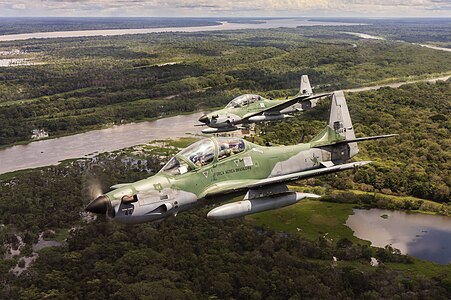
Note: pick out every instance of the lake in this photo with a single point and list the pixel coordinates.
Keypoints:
(423, 236)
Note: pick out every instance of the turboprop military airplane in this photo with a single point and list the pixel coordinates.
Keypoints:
(217, 169)
(249, 108)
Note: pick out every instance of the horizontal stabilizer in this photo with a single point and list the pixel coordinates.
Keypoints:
(367, 138)
(278, 108)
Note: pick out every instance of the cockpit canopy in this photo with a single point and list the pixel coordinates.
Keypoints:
(200, 153)
(203, 153)
(243, 100)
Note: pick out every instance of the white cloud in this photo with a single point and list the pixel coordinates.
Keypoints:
(225, 7)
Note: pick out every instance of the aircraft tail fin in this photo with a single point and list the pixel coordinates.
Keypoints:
(339, 117)
(305, 89)
(339, 136)
(339, 127)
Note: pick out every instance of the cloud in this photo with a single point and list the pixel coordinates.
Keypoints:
(235, 7)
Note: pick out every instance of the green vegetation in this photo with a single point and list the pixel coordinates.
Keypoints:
(417, 163)
(25, 25)
(311, 219)
(424, 268)
(372, 199)
(413, 30)
(182, 142)
(88, 82)
(187, 255)
(192, 257)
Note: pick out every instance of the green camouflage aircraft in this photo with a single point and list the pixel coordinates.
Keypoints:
(249, 108)
(217, 169)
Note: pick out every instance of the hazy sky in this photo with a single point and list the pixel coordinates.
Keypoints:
(205, 8)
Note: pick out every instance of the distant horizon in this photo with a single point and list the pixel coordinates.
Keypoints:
(220, 17)
(218, 8)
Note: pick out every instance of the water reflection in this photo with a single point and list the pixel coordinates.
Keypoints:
(50, 152)
(423, 236)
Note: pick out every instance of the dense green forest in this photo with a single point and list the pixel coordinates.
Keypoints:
(412, 30)
(86, 82)
(184, 257)
(416, 163)
(192, 257)
(25, 25)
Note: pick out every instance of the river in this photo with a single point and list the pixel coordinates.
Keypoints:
(424, 236)
(271, 23)
(51, 151)
(396, 84)
(13, 62)
(373, 37)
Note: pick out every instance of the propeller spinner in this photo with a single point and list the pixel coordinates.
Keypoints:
(99, 205)
(102, 206)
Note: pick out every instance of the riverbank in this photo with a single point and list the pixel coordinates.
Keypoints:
(311, 219)
(103, 126)
(383, 201)
(52, 151)
(373, 37)
(222, 25)
(424, 236)
(336, 222)
(389, 82)
(397, 82)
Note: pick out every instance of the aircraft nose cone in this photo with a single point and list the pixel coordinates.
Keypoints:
(98, 206)
(204, 119)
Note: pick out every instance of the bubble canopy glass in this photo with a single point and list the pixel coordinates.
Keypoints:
(201, 154)
(243, 100)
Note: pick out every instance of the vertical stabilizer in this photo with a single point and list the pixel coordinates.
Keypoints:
(305, 88)
(339, 117)
(340, 120)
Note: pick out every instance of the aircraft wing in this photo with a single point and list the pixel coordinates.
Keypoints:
(231, 186)
(276, 109)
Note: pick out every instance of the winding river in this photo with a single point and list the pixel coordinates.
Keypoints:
(270, 23)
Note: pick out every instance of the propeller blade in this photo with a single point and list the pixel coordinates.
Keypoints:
(100, 205)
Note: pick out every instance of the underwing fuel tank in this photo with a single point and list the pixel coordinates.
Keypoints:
(218, 130)
(269, 117)
(247, 207)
